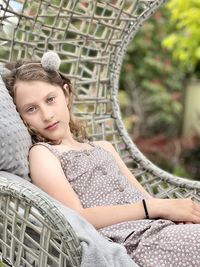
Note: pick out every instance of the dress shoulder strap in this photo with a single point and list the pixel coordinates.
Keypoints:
(89, 142)
(50, 147)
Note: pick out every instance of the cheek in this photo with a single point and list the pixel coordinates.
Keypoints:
(31, 121)
(63, 107)
(23, 118)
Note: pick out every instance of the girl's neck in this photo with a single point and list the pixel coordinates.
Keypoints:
(70, 142)
(66, 145)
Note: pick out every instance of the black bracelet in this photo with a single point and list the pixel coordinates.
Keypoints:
(145, 209)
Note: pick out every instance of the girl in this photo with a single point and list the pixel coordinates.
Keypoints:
(91, 178)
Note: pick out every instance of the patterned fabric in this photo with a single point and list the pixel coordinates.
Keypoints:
(95, 177)
(15, 140)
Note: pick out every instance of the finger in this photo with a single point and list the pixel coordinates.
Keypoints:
(196, 212)
(193, 216)
(196, 206)
(194, 219)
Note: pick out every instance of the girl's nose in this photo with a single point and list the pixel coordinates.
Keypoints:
(47, 114)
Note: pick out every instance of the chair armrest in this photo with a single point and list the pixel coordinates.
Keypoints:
(162, 184)
(33, 230)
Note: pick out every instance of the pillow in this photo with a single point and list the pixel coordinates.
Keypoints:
(15, 140)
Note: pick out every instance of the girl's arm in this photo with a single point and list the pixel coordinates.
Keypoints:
(46, 172)
(122, 166)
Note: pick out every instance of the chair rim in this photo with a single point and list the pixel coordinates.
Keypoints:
(45, 207)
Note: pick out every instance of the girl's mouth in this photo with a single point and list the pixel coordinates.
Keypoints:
(52, 126)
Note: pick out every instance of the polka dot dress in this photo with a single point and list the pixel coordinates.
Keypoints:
(95, 177)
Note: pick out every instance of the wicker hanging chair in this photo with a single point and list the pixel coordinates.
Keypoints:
(91, 38)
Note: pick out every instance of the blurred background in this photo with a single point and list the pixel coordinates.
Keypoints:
(160, 88)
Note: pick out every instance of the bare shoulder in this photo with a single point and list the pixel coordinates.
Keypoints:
(43, 163)
(40, 152)
(37, 149)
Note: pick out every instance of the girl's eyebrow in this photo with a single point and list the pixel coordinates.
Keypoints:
(32, 103)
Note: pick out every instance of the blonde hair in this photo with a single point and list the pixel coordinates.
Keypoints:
(22, 70)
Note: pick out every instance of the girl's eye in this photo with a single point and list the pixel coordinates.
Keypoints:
(31, 110)
(51, 99)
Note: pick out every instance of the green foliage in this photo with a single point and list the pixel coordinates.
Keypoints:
(191, 159)
(153, 81)
(184, 42)
(125, 103)
(179, 170)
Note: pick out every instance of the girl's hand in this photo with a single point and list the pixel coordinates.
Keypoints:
(178, 210)
(184, 222)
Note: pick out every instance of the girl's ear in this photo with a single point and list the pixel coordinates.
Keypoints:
(66, 89)
(66, 92)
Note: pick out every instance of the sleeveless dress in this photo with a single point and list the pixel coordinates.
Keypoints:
(95, 177)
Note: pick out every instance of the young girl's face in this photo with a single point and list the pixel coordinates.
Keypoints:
(44, 107)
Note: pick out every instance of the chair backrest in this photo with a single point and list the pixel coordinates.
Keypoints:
(91, 38)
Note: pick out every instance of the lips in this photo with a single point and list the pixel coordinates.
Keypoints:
(52, 126)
